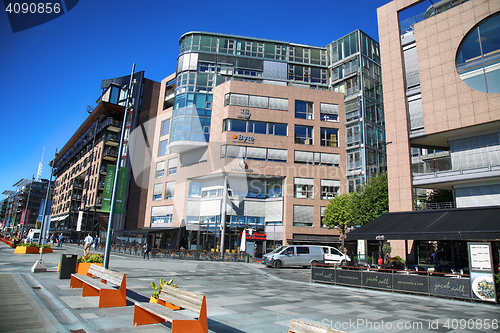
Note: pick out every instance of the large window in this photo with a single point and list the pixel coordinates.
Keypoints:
(304, 135)
(329, 137)
(169, 190)
(303, 188)
(161, 214)
(478, 61)
(329, 188)
(162, 149)
(160, 169)
(303, 110)
(157, 189)
(329, 112)
(257, 127)
(303, 216)
(165, 127)
(274, 188)
(353, 136)
(261, 102)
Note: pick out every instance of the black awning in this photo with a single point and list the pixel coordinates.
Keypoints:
(478, 223)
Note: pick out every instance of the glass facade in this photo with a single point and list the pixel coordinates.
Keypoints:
(355, 71)
(478, 58)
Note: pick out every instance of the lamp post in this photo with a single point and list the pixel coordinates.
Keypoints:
(39, 265)
(128, 105)
(381, 239)
(27, 205)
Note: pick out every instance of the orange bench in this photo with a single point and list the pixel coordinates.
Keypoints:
(104, 284)
(150, 313)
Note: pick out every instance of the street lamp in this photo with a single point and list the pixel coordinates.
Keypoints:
(381, 239)
(128, 106)
(39, 265)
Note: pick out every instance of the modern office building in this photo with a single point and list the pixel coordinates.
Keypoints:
(441, 83)
(260, 127)
(81, 166)
(23, 205)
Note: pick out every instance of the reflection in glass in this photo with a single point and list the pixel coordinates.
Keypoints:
(478, 59)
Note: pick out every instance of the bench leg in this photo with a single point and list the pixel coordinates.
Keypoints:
(191, 326)
(75, 283)
(143, 317)
(89, 291)
(112, 298)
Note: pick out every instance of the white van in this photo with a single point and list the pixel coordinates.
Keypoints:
(33, 236)
(333, 256)
(294, 255)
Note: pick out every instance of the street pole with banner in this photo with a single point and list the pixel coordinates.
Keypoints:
(128, 105)
(27, 212)
(39, 265)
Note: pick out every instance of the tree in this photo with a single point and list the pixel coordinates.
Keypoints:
(371, 200)
(338, 215)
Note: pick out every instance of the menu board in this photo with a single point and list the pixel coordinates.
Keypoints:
(480, 257)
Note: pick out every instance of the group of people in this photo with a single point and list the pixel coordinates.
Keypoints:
(88, 242)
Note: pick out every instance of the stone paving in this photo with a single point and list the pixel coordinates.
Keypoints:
(241, 297)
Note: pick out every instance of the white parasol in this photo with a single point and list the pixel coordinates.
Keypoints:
(243, 246)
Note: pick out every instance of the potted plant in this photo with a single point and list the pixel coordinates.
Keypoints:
(83, 262)
(27, 248)
(155, 297)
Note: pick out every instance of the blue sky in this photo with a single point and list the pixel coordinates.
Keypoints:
(50, 73)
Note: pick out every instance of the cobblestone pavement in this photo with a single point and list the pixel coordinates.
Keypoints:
(241, 297)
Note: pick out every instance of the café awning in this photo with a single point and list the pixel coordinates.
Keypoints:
(468, 224)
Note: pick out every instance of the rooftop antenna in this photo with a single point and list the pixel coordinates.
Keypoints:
(39, 173)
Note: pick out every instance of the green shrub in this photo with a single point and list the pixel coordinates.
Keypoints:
(157, 288)
(94, 258)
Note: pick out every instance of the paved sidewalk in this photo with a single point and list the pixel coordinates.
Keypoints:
(241, 297)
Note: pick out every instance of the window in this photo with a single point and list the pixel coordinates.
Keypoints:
(303, 110)
(172, 166)
(303, 188)
(353, 136)
(329, 137)
(194, 190)
(169, 190)
(303, 216)
(157, 189)
(165, 127)
(304, 135)
(162, 149)
(162, 214)
(477, 63)
(329, 112)
(353, 160)
(321, 222)
(257, 127)
(160, 169)
(274, 188)
(329, 188)
(302, 250)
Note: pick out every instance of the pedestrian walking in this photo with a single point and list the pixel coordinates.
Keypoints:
(147, 249)
(88, 241)
(96, 242)
(61, 240)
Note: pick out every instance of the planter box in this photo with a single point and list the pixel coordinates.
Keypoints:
(46, 250)
(83, 267)
(27, 250)
(168, 305)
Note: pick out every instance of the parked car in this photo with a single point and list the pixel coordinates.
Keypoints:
(294, 255)
(332, 255)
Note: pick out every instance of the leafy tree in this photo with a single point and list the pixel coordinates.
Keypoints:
(371, 200)
(338, 215)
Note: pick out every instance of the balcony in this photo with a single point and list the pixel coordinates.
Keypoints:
(110, 154)
(112, 139)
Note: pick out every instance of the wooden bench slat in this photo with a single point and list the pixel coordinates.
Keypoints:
(162, 311)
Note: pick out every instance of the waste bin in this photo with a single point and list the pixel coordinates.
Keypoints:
(67, 266)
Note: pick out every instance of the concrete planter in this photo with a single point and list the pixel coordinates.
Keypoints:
(26, 250)
(83, 267)
(46, 250)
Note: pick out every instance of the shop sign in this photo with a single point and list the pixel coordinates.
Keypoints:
(243, 138)
(255, 236)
